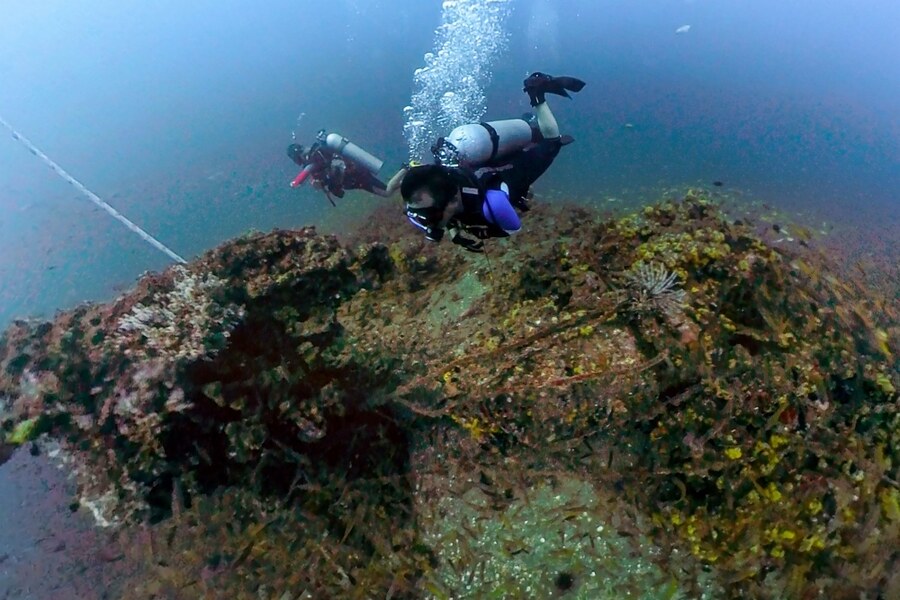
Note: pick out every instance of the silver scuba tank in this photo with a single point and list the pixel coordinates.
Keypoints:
(344, 147)
(476, 144)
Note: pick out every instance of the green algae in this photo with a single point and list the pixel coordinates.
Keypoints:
(23, 432)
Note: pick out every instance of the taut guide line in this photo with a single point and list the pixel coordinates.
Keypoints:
(92, 196)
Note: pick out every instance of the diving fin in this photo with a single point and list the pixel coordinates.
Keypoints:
(539, 84)
(573, 84)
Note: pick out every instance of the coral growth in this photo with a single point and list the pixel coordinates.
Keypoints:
(185, 322)
(655, 405)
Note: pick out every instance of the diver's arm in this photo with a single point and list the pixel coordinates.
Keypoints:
(455, 228)
(469, 244)
(393, 183)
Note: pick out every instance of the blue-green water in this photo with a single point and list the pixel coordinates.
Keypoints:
(178, 115)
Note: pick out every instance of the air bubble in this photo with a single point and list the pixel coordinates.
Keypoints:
(449, 87)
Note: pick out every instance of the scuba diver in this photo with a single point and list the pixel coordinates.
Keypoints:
(483, 172)
(333, 164)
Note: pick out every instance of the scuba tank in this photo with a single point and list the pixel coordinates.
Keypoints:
(477, 144)
(343, 147)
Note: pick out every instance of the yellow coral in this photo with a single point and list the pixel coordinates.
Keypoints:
(884, 384)
(882, 336)
(474, 426)
(777, 441)
(890, 504)
(580, 268)
(23, 432)
(397, 256)
(786, 339)
(812, 542)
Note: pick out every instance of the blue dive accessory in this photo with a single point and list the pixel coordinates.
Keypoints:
(498, 210)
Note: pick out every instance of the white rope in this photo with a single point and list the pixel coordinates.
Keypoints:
(92, 196)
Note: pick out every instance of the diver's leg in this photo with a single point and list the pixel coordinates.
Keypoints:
(546, 121)
(537, 85)
(527, 167)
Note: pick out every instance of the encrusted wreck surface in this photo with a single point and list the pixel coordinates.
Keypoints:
(651, 406)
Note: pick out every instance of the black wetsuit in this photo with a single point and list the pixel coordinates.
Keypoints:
(518, 171)
(521, 169)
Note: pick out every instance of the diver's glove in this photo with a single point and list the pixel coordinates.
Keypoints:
(468, 243)
(538, 84)
(434, 234)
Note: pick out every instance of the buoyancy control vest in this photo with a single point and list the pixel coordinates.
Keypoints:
(473, 191)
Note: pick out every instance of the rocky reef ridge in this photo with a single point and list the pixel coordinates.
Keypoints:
(661, 404)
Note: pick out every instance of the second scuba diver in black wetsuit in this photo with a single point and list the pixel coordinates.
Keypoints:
(481, 189)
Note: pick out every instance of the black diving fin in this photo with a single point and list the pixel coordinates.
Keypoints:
(573, 84)
(539, 84)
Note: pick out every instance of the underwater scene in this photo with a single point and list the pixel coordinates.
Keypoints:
(502, 299)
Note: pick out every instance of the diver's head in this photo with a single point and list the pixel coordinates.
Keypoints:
(297, 153)
(427, 190)
(429, 185)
